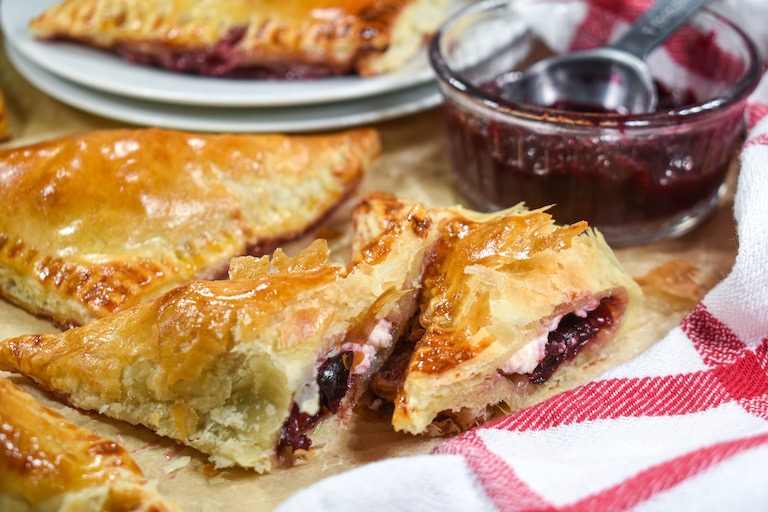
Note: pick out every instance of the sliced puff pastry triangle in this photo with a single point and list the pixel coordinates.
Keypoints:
(515, 309)
(241, 369)
(95, 223)
(49, 463)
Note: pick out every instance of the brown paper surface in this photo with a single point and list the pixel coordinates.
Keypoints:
(414, 164)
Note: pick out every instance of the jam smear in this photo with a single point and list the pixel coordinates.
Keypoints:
(333, 381)
(668, 99)
(571, 335)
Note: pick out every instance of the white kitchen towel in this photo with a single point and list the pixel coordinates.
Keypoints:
(682, 427)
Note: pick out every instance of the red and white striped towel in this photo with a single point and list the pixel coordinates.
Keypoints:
(682, 427)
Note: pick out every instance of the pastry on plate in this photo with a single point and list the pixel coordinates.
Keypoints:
(241, 369)
(259, 38)
(514, 309)
(94, 223)
(48, 463)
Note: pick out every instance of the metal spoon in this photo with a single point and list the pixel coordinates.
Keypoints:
(613, 78)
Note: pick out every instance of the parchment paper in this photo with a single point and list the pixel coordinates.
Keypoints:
(414, 164)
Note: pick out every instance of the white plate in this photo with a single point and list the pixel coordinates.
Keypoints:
(110, 73)
(212, 119)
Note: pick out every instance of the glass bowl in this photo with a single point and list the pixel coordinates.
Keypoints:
(637, 178)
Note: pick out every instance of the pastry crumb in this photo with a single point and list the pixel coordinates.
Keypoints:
(678, 278)
(177, 464)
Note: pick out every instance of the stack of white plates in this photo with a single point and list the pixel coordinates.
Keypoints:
(107, 85)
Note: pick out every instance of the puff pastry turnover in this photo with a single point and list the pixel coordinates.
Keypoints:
(261, 38)
(241, 369)
(514, 309)
(95, 223)
(48, 463)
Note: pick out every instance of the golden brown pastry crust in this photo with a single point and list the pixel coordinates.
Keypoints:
(219, 365)
(294, 39)
(499, 282)
(49, 463)
(95, 223)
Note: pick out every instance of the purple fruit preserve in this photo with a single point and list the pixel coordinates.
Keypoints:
(600, 174)
(638, 178)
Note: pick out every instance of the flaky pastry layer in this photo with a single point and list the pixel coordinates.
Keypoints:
(49, 463)
(94, 223)
(263, 38)
(223, 366)
(500, 283)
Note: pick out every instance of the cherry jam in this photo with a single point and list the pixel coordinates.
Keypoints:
(616, 177)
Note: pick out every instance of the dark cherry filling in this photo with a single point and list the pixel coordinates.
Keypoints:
(295, 428)
(564, 343)
(333, 381)
(222, 60)
(571, 334)
(386, 382)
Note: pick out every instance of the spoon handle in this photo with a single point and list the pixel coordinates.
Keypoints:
(663, 18)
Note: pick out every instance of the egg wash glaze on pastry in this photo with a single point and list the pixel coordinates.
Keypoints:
(250, 38)
(241, 369)
(514, 307)
(94, 223)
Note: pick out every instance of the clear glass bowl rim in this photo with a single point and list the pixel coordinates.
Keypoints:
(740, 90)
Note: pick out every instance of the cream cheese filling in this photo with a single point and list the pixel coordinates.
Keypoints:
(526, 359)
